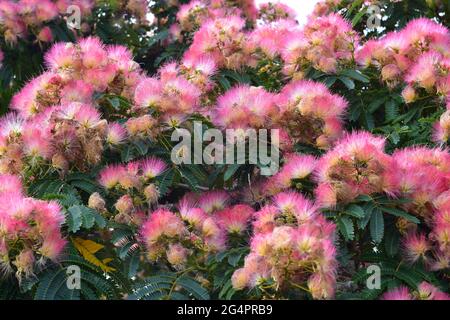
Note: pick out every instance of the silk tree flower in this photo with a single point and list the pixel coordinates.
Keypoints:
(142, 127)
(221, 40)
(264, 41)
(325, 7)
(116, 134)
(66, 136)
(170, 96)
(311, 113)
(132, 175)
(432, 73)
(295, 171)
(247, 7)
(416, 247)
(441, 232)
(152, 168)
(401, 293)
(442, 127)
(213, 201)
(409, 55)
(245, 107)
(422, 175)
(356, 166)
(174, 237)
(290, 247)
(273, 11)
(235, 219)
(327, 43)
(425, 291)
(191, 15)
(29, 19)
(29, 229)
(105, 68)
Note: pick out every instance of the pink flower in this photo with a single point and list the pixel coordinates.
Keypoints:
(235, 219)
(153, 167)
(213, 201)
(45, 35)
(276, 11)
(116, 134)
(401, 293)
(327, 43)
(356, 166)
(10, 183)
(427, 291)
(245, 107)
(311, 113)
(416, 247)
(111, 176)
(161, 223)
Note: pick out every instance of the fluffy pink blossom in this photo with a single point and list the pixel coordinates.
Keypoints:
(30, 229)
(289, 245)
(245, 107)
(235, 219)
(311, 113)
(272, 11)
(357, 165)
(327, 43)
(213, 201)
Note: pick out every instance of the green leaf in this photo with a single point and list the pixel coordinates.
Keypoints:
(133, 265)
(368, 210)
(391, 109)
(193, 287)
(347, 82)
(231, 170)
(356, 75)
(392, 242)
(82, 216)
(165, 181)
(358, 17)
(355, 211)
(346, 227)
(400, 214)
(369, 121)
(376, 104)
(330, 81)
(141, 147)
(53, 286)
(377, 226)
(74, 219)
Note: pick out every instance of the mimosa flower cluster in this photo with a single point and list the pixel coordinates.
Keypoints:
(292, 247)
(356, 166)
(57, 120)
(20, 18)
(177, 91)
(327, 43)
(407, 55)
(202, 224)
(134, 188)
(193, 15)
(425, 291)
(296, 173)
(273, 11)
(63, 121)
(305, 112)
(29, 229)
(417, 59)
